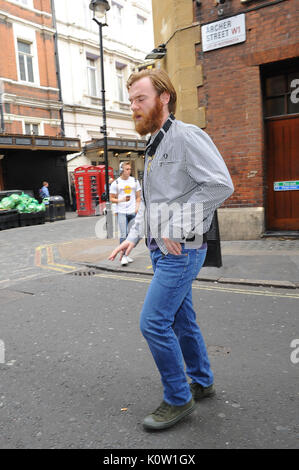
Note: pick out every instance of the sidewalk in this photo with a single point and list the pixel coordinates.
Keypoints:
(267, 262)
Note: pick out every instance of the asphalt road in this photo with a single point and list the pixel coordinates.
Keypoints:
(76, 372)
(19, 248)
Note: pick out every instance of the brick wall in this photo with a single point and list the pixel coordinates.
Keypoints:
(43, 6)
(8, 67)
(231, 90)
(29, 100)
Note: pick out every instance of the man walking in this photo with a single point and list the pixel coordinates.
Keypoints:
(44, 191)
(125, 191)
(182, 168)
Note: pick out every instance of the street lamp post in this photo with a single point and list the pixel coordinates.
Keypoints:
(99, 8)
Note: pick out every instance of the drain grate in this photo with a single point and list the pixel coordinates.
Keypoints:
(83, 272)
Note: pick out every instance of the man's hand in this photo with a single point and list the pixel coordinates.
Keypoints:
(175, 248)
(124, 248)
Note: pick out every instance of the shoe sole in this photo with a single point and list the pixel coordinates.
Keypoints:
(156, 426)
(210, 395)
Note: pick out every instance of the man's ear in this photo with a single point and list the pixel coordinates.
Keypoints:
(165, 97)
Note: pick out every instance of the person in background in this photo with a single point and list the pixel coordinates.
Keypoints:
(44, 191)
(73, 193)
(125, 191)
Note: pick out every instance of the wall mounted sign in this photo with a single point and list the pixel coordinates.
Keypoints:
(223, 33)
(286, 185)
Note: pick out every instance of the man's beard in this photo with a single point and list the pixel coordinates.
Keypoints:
(151, 121)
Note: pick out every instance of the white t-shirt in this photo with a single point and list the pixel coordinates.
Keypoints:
(123, 188)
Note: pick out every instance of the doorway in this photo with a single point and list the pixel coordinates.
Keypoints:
(281, 115)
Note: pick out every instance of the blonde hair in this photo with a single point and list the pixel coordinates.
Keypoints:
(123, 164)
(160, 81)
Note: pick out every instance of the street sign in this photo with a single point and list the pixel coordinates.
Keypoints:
(286, 185)
(223, 33)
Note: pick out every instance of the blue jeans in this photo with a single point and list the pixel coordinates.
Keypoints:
(123, 224)
(168, 323)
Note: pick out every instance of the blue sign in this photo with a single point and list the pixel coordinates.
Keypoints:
(286, 185)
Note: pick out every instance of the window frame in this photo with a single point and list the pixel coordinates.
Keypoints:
(141, 20)
(122, 96)
(23, 3)
(31, 124)
(92, 69)
(26, 56)
(286, 95)
(118, 23)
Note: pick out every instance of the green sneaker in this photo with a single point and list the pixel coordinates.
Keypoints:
(199, 392)
(166, 415)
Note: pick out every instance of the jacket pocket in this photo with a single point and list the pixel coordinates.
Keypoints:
(168, 163)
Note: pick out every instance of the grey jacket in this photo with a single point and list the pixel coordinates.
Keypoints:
(187, 171)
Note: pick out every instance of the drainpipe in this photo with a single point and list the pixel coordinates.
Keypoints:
(57, 67)
(2, 128)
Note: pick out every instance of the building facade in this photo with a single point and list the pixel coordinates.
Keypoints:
(27, 68)
(127, 38)
(32, 144)
(235, 66)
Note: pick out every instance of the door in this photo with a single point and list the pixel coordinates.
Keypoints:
(282, 141)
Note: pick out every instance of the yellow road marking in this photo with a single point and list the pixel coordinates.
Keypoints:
(51, 264)
(53, 268)
(63, 265)
(233, 290)
(50, 258)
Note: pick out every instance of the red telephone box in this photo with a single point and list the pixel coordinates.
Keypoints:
(90, 187)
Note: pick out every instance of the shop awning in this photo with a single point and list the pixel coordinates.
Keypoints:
(37, 142)
(117, 144)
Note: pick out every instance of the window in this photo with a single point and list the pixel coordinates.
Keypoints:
(117, 14)
(23, 2)
(25, 61)
(121, 96)
(140, 21)
(196, 10)
(92, 77)
(279, 94)
(26, 3)
(31, 128)
(120, 84)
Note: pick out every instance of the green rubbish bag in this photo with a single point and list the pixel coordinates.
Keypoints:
(41, 207)
(16, 198)
(21, 207)
(25, 198)
(32, 207)
(7, 203)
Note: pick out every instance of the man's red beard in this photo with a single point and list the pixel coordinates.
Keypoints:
(151, 121)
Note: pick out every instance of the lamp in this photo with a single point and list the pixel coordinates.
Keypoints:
(99, 8)
(157, 53)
